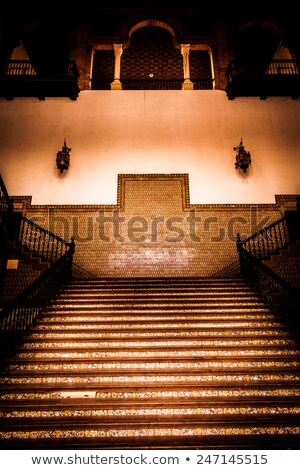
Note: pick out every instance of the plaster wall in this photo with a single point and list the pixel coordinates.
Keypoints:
(157, 132)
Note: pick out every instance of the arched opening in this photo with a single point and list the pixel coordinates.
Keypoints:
(263, 65)
(151, 59)
(258, 42)
(46, 45)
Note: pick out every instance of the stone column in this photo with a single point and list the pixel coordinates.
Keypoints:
(187, 84)
(212, 67)
(118, 51)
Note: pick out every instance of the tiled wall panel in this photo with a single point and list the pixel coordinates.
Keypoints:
(154, 231)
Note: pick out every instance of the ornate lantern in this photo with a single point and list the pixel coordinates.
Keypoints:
(243, 158)
(63, 158)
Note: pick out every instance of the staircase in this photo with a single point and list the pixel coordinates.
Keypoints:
(29, 267)
(286, 263)
(199, 363)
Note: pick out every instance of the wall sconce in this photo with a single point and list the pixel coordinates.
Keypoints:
(243, 158)
(63, 158)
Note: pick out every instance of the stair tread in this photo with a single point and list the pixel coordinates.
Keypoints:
(178, 402)
(158, 373)
(159, 442)
(91, 344)
(289, 389)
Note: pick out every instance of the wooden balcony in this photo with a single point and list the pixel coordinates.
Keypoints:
(41, 79)
(275, 78)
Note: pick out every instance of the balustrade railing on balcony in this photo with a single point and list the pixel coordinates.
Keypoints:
(39, 78)
(199, 84)
(257, 78)
(274, 67)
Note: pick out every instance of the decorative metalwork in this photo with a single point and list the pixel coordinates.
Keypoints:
(267, 241)
(63, 158)
(283, 296)
(263, 78)
(43, 78)
(243, 158)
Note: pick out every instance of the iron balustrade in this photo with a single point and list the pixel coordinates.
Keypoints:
(39, 67)
(268, 240)
(148, 84)
(258, 68)
(268, 78)
(17, 317)
(20, 313)
(5, 201)
(39, 78)
(282, 296)
(19, 67)
(152, 84)
(36, 239)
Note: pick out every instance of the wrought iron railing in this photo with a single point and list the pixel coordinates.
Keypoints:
(27, 234)
(17, 317)
(258, 68)
(22, 68)
(39, 78)
(263, 78)
(5, 200)
(267, 241)
(40, 241)
(284, 297)
(167, 84)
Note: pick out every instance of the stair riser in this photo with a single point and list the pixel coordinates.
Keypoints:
(180, 413)
(85, 344)
(173, 354)
(186, 392)
(172, 364)
(148, 325)
(155, 431)
(95, 333)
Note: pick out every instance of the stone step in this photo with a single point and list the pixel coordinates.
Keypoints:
(185, 280)
(100, 324)
(112, 302)
(158, 352)
(161, 295)
(277, 388)
(209, 433)
(83, 410)
(84, 316)
(86, 344)
(167, 364)
(155, 287)
(98, 333)
(160, 290)
(34, 379)
(147, 301)
(170, 311)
